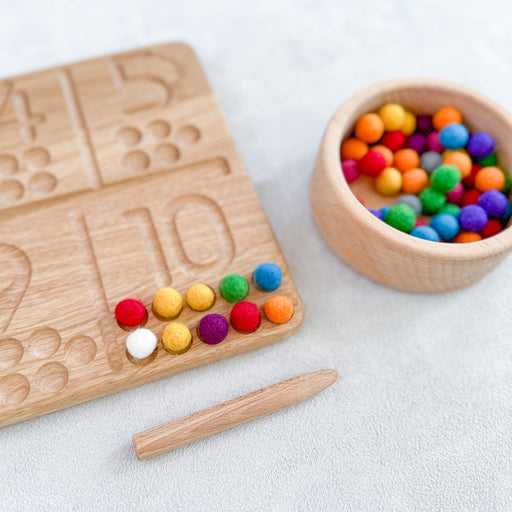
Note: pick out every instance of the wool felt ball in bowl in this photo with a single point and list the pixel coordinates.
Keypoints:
(425, 233)
(454, 136)
(473, 218)
(493, 202)
(480, 145)
(446, 225)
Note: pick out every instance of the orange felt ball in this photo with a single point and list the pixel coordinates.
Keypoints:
(406, 159)
(489, 178)
(385, 152)
(460, 160)
(369, 128)
(465, 237)
(278, 309)
(414, 181)
(353, 149)
(446, 115)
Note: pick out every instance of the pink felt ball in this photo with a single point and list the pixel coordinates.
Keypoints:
(350, 171)
(433, 142)
(455, 195)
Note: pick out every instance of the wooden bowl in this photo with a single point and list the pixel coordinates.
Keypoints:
(370, 246)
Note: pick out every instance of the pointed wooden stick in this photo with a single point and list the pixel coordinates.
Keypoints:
(229, 414)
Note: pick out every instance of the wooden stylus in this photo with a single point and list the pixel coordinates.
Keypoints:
(229, 414)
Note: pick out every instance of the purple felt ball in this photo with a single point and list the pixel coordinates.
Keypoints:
(212, 329)
(473, 218)
(434, 144)
(493, 202)
(377, 213)
(424, 123)
(480, 145)
(418, 142)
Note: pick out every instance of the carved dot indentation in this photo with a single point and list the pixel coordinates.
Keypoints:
(14, 388)
(80, 350)
(167, 154)
(51, 377)
(136, 161)
(189, 134)
(36, 158)
(42, 183)
(8, 165)
(11, 352)
(159, 129)
(129, 136)
(44, 342)
(11, 191)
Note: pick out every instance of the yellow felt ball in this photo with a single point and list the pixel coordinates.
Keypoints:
(200, 297)
(389, 182)
(409, 124)
(393, 116)
(168, 303)
(177, 338)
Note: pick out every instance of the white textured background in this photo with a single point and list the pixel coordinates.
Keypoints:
(421, 418)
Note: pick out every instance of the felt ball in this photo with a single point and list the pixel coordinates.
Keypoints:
(141, 343)
(490, 160)
(432, 200)
(130, 312)
(493, 228)
(200, 297)
(450, 209)
(401, 217)
(506, 216)
(409, 124)
(168, 303)
(425, 233)
(433, 142)
(480, 145)
(445, 116)
(466, 237)
(386, 153)
(349, 168)
(376, 213)
(508, 183)
(473, 218)
(424, 123)
(469, 181)
(460, 160)
(414, 181)
(394, 140)
(406, 159)
(420, 222)
(430, 161)
(455, 194)
(371, 164)
(445, 178)
(278, 309)
(393, 116)
(369, 128)
(245, 316)
(470, 197)
(389, 182)
(493, 202)
(176, 338)
(212, 329)
(268, 276)
(454, 136)
(234, 287)
(384, 211)
(446, 225)
(353, 149)
(489, 178)
(418, 142)
(412, 201)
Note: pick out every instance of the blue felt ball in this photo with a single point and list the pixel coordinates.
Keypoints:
(377, 213)
(426, 233)
(473, 218)
(384, 210)
(454, 136)
(493, 202)
(268, 276)
(413, 201)
(480, 145)
(446, 225)
(507, 215)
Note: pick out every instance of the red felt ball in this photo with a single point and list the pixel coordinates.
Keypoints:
(420, 222)
(371, 164)
(470, 197)
(130, 312)
(394, 140)
(493, 228)
(469, 180)
(245, 316)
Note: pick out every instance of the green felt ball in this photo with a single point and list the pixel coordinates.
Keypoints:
(450, 209)
(432, 201)
(506, 187)
(445, 178)
(234, 288)
(402, 217)
(489, 160)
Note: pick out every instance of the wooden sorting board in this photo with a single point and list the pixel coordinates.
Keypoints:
(118, 176)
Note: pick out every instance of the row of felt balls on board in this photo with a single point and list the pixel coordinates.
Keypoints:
(213, 328)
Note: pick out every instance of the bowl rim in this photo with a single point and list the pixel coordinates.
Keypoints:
(336, 131)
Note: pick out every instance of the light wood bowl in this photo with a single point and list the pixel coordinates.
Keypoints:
(370, 246)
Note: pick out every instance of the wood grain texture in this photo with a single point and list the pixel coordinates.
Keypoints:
(117, 176)
(370, 246)
(240, 410)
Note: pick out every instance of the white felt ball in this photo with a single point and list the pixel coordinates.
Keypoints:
(141, 343)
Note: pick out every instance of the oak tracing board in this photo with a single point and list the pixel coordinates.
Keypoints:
(118, 176)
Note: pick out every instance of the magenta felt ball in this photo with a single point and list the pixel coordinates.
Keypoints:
(493, 202)
(473, 218)
(212, 329)
(455, 195)
(350, 171)
(433, 142)
(480, 145)
(424, 123)
(418, 142)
